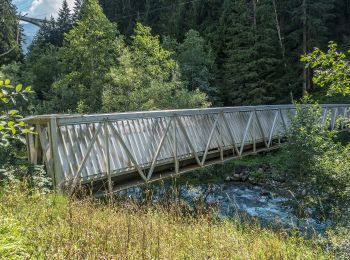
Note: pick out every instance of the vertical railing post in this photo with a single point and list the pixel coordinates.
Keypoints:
(343, 126)
(107, 159)
(253, 135)
(58, 177)
(176, 161)
(334, 120)
(221, 140)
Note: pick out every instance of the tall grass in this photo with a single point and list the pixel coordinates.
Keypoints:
(52, 226)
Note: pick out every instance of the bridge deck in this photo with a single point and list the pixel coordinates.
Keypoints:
(122, 150)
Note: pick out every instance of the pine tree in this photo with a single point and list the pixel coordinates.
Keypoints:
(64, 21)
(239, 74)
(10, 33)
(47, 35)
(270, 63)
(304, 26)
(196, 63)
(77, 10)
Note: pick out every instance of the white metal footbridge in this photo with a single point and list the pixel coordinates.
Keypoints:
(121, 150)
(35, 21)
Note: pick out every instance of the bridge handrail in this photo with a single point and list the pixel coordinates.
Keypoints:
(69, 119)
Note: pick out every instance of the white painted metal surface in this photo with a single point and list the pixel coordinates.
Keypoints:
(85, 148)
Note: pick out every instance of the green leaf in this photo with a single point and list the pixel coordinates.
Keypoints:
(19, 88)
(7, 82)
(28, 89)
(1, 83)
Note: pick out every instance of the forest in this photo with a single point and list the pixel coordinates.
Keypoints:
(105, 56)
(218, 53)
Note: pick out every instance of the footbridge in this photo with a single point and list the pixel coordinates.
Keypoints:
(34, 21)
(122, 150)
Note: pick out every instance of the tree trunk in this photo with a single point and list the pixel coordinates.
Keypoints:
(278, 28)
(254, 13)
(305, 74)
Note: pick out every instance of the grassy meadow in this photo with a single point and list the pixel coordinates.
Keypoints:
(34, 225)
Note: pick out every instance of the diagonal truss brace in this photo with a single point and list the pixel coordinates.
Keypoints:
(209, 140)
(246, 133)
(272, 129)
(235, 148)
(182, 128)
(86, 156)
(150, 172)
(129, 154)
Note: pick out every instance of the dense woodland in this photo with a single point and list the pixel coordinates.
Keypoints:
(128, 55)
(156, 54)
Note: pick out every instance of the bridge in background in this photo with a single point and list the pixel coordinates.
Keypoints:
(122, 150)
(35, 21)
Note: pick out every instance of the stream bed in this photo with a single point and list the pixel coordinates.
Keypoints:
(239, 200)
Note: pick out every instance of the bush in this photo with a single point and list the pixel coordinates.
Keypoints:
(315, 159)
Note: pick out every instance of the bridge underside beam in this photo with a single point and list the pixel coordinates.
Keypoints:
(122, 150)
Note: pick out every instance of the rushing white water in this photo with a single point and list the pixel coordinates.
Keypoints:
(238, 200)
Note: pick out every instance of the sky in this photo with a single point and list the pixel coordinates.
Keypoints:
(37, 9)
(40, 8)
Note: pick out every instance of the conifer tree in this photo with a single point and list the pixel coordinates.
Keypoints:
(196, 63)
(77, 10)
(64, 21)
(239, 73)
(10, 33)
(250, 57)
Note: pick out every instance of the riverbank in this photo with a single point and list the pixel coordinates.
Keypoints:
(36, 225)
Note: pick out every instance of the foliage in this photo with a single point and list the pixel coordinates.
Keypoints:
(331, 69)
(68, 228)
(250, 62)
(10, 124)
(64, 21)
(339, 241)
(146, 78)
(319, 162)
(43, 68)
(196, 63)
(255, 45)
(237, 52)
(90, 51)
(10, 33)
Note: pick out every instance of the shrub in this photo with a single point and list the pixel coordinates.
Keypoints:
(318, 161)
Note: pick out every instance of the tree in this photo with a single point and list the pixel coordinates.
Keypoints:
(42, 68)
(89, 53)
(47, 35)
(196, 63)
(10, 33)
(146, 78)
(331, 69)
(77, 10)
(305, 24)
(64, 21)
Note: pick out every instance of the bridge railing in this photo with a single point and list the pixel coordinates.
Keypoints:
(125, 149)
